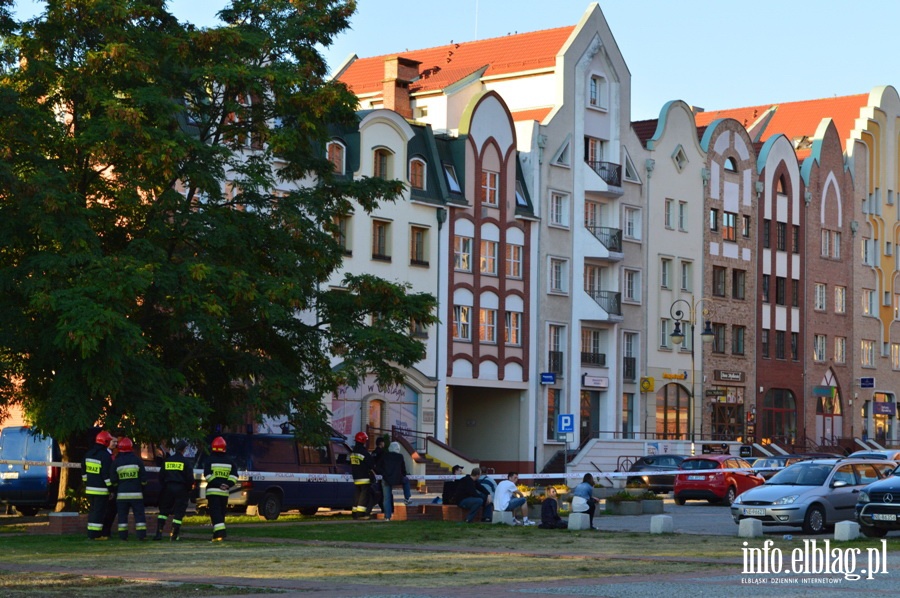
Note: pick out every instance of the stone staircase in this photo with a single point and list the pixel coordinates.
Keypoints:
(434, 467)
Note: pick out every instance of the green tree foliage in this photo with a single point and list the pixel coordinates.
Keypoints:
(166, 216)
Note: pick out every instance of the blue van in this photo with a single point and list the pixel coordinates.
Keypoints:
(282, 453)
(28, 487)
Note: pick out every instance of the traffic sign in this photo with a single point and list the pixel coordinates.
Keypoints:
(565, 423)
(548, 377)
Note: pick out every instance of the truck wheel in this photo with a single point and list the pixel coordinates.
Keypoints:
(27, 511)
(270, 506)
(309, 511)
(873, 532)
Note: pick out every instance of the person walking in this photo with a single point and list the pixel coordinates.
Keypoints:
(362, 469)
(220, 474)
(97, 479)
(392, 468)
(176, 478)
(130, 477)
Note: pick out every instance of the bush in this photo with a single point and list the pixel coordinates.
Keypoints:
(623, 496)
(648, 495)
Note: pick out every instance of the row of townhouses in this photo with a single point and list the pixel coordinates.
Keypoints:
(577, 257)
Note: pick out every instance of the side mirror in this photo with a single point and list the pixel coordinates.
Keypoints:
(839, 484)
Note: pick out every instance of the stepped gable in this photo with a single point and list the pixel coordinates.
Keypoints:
(442, 66)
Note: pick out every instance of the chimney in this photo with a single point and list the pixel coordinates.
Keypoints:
(399, 72)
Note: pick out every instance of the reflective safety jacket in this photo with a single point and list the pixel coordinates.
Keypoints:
(361, 464)
(129, 476)
(177, 469)
(97, 468)
(219, 471)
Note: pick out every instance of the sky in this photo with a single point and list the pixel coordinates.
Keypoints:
(709, 53)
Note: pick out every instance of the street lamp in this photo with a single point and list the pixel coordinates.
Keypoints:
(677, 336)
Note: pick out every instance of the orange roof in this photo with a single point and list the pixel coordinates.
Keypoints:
(444, 65)
(794, 119)
(537, 114)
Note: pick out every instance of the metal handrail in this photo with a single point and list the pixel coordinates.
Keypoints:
(611, 238)
(610, 301)
(610, 173)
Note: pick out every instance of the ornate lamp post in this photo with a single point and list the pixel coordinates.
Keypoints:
(677, 311)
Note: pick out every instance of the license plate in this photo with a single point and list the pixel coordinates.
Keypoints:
(755, 512)
(884, 517)
(697, 477)
(10, 475)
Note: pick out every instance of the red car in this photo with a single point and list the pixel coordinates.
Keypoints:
(704, 480)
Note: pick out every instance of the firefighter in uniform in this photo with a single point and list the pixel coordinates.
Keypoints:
(97, 478)
(130, 477)
(220, 474)
(176, 478)
(361, 467)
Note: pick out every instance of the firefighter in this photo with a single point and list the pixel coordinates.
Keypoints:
(361, 467)
(176, 478)
(130, 477)
(97, 478)
(220, 474)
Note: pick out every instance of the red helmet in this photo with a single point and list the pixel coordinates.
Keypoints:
(103, 438)
(218, 444)
(125, 445)
(362, 437)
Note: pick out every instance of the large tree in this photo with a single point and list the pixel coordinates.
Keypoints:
(166, 216)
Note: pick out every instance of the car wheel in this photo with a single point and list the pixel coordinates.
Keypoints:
(27, 511)
(814, 522)
(679, 500)
(872, 532)
(309, 511)
(270, 507)
(729, 496)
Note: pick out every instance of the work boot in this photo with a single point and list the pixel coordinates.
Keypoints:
(158, 535)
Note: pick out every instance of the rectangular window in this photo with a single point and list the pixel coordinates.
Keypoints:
(489, 250)
(514, 261)
(780, 236)
(342, 226)
(745, 227)
(826, 243)
(779, 344)
(558, 276)
(779, 290)
(840, 299)
(417, 174)
(718, 344)
(553, 400)
(462, 315)
(795, 293)
(380, 238)
(556, 343)
(820, 341)
(513, 329)
(836, 246)
(462, 253)
(685, 276)
(795, 346)
(382, 164)
(592, 347)
(597, 98)
(667, 214)
(713, 219)
(664, 333)
(487, 325)
(682, 215)
(820, 301)
(840, 349)
(559, 209)
(418, 246)
(737, 339)
(868, 305)
(632, 285)
(632, 219)
(795, 238)
(767, 233)
(895, 356)
(764, 341)
(490, 189)
(738, 283)
(665, 273)
(718, 281)
(729, 226)
(867, 353)
(765, 288)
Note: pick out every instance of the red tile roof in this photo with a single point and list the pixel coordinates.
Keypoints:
(443, 65)
(538, 114)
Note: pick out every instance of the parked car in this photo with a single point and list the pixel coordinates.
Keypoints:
(810, 494)
(28, 488)
(653, 463)
(764, 465)
(887, 454)
(703, 479)
(878, 506)
(282, 453)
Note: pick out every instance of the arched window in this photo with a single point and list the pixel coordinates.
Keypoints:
(782, 186)
(382, 166)
(730, 165)
(417, 173)
(672, 402)
(336, 156)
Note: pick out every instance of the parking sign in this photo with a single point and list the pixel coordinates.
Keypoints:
(565, 423)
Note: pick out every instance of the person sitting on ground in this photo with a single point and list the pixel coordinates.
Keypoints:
(468, 496)
(585, 490)
(550, 518)
(449, 492)
(508, 498)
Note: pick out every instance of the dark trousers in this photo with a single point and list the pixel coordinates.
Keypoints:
(136, 505)
(472, 504)
(360, 499)
(217, 506)
(96, 514)
(173, 502)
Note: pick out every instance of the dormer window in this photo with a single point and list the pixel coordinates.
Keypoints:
(490, 188)
(382, 166)
(336, 154)
(417, 173)
(452, 181)
(598, 92)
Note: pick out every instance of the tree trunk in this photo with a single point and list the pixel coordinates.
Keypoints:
(68, 478)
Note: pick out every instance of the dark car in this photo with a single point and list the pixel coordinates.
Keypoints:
(711, 478)
(653, 463)
(28, 488)
(769, 466)
(282, 453)
(878, 507)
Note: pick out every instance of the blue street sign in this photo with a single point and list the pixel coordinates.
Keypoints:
(867, 382)
(565, 423)
(548, 378)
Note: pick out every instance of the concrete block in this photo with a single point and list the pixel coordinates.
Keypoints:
(579, 521)
(750, 528)
(846, 530)
(661, 524)
(503, 517)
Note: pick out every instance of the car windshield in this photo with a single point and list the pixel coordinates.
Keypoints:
(768, 463)
(801, 474)
(699, 464)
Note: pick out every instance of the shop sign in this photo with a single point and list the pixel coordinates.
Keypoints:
(675, 375)
(726, 376)
(884, 408)
(595, 381)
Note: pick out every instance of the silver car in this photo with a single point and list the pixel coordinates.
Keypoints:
(810, 494)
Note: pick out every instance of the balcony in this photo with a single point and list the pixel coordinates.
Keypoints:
(556, 362)
(609, 172)
(597, 359)
(610, 239)
(610, 301)
(629, 369)
(604, 178)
